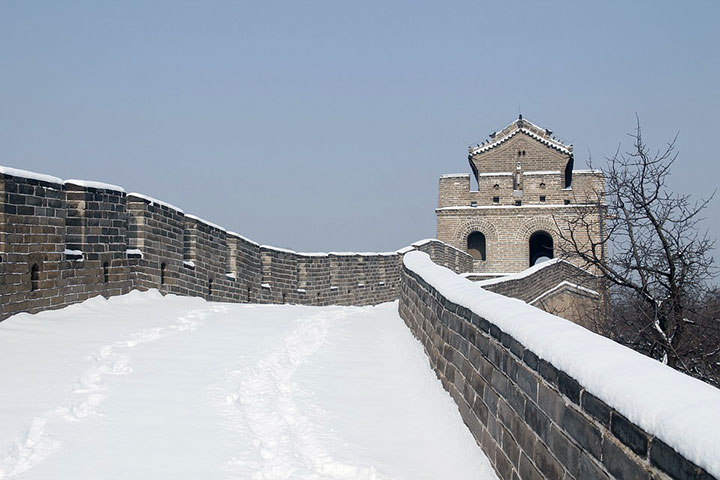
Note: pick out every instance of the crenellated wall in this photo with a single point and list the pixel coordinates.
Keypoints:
(547, 399)
(65, 241)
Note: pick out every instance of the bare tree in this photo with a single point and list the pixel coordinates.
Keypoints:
(656, 262)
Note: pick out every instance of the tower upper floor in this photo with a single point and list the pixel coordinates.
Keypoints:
(520, 165)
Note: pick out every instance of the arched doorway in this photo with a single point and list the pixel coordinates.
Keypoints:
(476, 245)
(541, 247)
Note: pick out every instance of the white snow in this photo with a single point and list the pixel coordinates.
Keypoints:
(156, 201)
(145, 386)
(189, 263)
(231, 276)
(563, 284)
(455, 175)
(495, 174)
(680, 410)
(235, 234)
(134, 251)
(202, 220)
(547, 141)
(572, 205)
(98, 185)
(16, 172)
(542, 172)
(278, 249)
(522, 274)
(74, 253)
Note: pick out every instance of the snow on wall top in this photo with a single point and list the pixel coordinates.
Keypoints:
(156, 201)
(680, 410)
(16, 172)
(91, 184)
(466, 207)
(241, 237)
(455, 175)
(202, 220)
(525, 273)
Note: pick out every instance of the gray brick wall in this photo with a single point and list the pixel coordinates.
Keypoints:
(532, 420)
(132, 241)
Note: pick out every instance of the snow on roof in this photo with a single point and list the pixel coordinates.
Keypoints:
(16, 172)
(155, 201)
(518, 126)
(198, 219)
(676, 408)
(453, 175)
(586, 172)
(495, 174)
(91, 184)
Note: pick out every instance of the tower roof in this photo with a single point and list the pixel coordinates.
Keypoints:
(525, 127)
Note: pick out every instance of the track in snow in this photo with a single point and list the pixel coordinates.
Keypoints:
(145, 386)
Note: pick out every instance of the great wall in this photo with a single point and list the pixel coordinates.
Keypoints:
(531, 409)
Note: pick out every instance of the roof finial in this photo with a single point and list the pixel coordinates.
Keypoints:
(520, 116)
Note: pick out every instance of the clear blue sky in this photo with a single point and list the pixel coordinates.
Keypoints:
(324, 125)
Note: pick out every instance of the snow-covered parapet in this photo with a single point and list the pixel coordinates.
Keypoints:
(16, 172)
(95, 185)
(589, 405)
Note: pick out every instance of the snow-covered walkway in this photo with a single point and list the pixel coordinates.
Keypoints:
(145, 386)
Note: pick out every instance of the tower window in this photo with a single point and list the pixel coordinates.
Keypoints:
(162, 274)
(473, 204)
(542, 198)
(476, 245)
(541, 247)
(518, 203)
(567, 202)
(106, 272)
(496, 200)
(496, 187)
(542, 184)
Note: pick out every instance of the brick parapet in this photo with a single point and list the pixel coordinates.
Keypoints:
(90, 239)
(533, 285)
(532, 420)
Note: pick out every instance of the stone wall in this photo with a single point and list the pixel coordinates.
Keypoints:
(62, 242)
(557, 287)
(532, 419)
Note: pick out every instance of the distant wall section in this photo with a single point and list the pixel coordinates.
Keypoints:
(62, 242)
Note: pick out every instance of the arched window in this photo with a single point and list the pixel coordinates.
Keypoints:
(210, 286)
(476, 245)
(34, 277)
(541, 247)
(568, 173)
(106, 272)
(162, 274)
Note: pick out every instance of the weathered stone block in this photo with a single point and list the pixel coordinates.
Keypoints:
(629, 434)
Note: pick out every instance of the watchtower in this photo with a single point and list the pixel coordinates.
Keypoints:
(527, 188)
